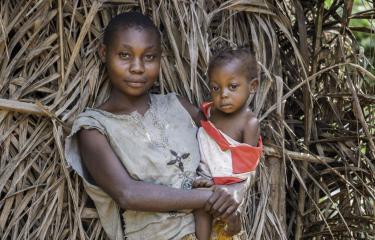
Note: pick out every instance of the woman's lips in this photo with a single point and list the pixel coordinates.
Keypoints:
(135, 84)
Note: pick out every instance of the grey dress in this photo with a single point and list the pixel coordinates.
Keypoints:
(159, 147)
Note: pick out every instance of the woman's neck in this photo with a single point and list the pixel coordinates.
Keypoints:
(118, 103)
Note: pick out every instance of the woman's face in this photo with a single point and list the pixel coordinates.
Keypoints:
(132, 59)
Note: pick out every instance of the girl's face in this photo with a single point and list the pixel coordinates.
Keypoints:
(132, 60)
(230, 87)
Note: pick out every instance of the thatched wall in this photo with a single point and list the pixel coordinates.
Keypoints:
(316, 104)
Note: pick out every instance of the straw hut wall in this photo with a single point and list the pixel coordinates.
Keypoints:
(315, 103)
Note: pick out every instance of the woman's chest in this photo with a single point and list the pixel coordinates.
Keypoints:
(162, 149)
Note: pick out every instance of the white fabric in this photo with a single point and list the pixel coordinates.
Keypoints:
(214, 161)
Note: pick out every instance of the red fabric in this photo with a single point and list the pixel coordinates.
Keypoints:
(226, 180)
(245, 158)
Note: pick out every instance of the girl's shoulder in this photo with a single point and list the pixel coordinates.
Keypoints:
(251, 121)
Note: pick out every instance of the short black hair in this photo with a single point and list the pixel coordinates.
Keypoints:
(128, 20)
(245, 55)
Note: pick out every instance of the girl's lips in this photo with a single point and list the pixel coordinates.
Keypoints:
(226, 106)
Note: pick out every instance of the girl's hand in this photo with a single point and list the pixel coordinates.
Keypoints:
(223, 202)
(202, 183)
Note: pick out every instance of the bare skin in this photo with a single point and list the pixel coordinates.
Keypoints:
(230, 90)
(133, 64)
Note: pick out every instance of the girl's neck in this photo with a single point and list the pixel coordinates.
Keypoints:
(217, 116)
(224, 115)
(118, 103)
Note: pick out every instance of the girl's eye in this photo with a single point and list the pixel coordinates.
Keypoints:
(149, 57)
(215, 89)
(124, 55)
(233, 87)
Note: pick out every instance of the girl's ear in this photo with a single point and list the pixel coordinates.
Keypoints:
(253, 85)
(102, 52)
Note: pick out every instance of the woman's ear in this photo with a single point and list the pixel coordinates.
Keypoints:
(102, 52)
(253, 85)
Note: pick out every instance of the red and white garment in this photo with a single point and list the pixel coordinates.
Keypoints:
(224, 159)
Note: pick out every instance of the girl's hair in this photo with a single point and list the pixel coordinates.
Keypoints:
(244, 55)
(128, 20)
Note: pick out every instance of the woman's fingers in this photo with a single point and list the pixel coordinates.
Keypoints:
(221, 202)
(229, 211)
(210, 202)
(219, 207)
(224, 208)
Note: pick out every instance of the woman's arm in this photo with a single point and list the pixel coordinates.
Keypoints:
(111, 176)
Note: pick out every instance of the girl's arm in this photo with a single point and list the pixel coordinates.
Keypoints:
(111, 176)
(251, 131)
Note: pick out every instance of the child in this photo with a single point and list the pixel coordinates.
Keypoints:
(137, 153)
(229, 140)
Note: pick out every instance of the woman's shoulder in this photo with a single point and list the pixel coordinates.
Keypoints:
(98, 114)
(87, 112)
(165, 98)
(89, 118)
(166, 101)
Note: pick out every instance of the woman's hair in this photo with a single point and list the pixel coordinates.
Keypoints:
(128, 20)
(244, 55)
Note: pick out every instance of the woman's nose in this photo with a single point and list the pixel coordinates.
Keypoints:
(137, 66)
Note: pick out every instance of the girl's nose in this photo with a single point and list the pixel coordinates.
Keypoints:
(137, 66)
(224, 93)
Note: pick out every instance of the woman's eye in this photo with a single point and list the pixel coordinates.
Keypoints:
(149, 57)
(124, 55)
(233, 86)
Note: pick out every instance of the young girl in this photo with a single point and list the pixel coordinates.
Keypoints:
(138, 152)
(229, 140)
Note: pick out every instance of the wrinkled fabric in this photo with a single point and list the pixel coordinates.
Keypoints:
(159, 147)
(223, 159)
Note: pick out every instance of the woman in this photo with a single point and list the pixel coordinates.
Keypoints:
(138, 151)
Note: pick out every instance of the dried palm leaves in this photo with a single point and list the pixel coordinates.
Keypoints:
(316, 105)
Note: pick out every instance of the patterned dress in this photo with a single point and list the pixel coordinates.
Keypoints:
(159, 147)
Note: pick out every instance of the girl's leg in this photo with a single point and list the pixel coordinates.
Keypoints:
(203, 222)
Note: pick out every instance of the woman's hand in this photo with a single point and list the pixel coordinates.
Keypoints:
(233, 224)
(223, 202)
(225, 199)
